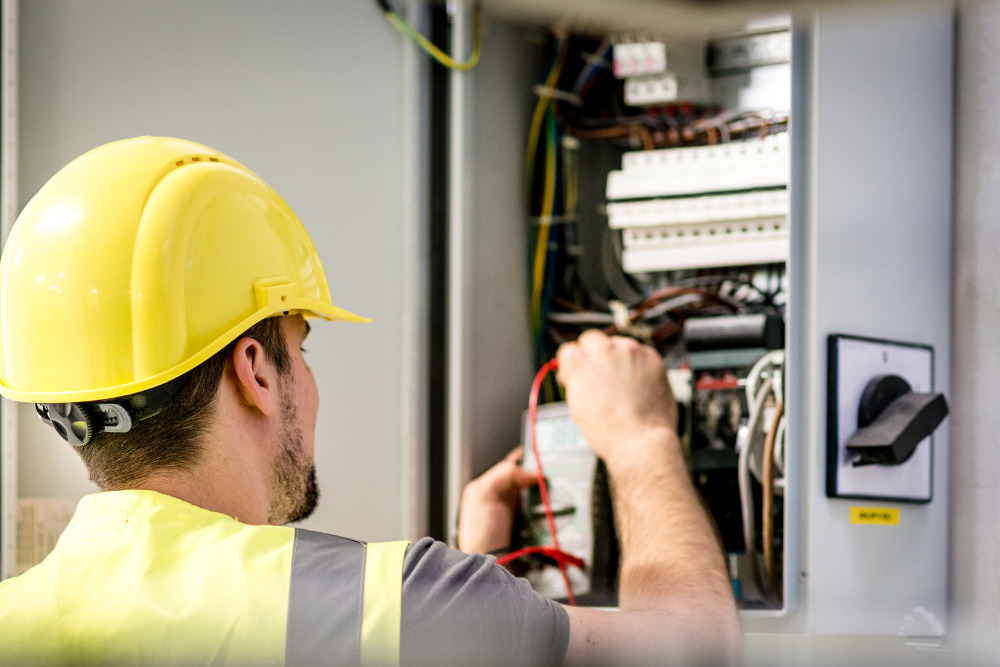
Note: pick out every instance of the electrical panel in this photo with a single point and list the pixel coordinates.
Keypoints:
(851, 239)
(692, 236)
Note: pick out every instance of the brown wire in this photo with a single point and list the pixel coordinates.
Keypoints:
(645, 136)
(669, 292)
(665, 333)
(567, 305)
(689, 134)
(639, 131)
(767, 506)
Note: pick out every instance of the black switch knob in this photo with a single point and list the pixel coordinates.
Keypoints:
(892, 420)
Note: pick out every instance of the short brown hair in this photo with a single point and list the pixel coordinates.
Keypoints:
(171, 440)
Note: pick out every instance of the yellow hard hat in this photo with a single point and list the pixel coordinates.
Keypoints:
(137, 262)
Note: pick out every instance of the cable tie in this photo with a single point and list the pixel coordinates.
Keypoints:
(596, 60)
(556, 94)
(625, 325)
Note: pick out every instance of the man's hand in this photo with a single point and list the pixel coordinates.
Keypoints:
(489, 502)
(617, 390)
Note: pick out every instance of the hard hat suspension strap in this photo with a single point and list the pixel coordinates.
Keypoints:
(76, 423)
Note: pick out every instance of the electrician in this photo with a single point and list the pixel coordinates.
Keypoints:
(154, 296)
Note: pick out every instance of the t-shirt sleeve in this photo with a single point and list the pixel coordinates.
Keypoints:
(461, 609)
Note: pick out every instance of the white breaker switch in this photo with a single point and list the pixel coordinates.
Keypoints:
(639, 58)
(652, 89)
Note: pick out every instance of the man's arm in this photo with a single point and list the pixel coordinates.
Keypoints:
(675, 596)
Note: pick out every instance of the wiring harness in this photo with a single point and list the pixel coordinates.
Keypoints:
(762, 454)
(579, 100)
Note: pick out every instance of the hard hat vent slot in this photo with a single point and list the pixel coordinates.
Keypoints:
(193, 159)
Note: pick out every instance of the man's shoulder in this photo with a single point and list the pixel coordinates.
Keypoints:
(463, 608)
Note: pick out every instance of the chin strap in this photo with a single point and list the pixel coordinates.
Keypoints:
(76, 423)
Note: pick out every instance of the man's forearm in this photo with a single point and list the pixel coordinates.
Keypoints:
(675, 596)
(671, 560)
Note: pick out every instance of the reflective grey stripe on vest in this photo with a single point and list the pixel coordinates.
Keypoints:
(324, 600)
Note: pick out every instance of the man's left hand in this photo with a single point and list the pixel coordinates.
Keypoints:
(489, 504)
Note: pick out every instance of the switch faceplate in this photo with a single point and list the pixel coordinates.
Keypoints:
(853, 362)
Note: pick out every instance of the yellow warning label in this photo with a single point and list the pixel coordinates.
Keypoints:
(883, 516)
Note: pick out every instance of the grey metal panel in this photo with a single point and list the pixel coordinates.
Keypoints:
(874, 260)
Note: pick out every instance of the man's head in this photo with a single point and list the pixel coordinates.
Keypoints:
(127, 285)
(172, 442)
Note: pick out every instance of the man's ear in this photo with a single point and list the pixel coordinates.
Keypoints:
(255, 377)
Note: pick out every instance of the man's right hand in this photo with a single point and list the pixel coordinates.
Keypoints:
(616, 389)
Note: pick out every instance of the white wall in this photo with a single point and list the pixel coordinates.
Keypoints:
(309, 95)
(975, 420)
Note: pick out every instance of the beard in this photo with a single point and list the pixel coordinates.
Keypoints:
(293, 493)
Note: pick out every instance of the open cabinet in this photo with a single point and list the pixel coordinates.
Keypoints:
(837, 216)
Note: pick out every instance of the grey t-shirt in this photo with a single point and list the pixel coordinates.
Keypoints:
(461, 609)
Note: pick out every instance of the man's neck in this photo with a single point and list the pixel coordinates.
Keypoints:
(223, 482)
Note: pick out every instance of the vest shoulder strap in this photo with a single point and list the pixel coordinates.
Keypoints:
(383, 600)
(344, 601)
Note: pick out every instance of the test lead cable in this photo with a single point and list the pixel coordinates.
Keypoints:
(542, 487)
(549, 552)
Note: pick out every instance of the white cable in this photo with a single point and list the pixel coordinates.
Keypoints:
(774, 358)
(671, 304)
(779, 450)
(770, 366)
(589, 317)
(595, 317)
(743, 479)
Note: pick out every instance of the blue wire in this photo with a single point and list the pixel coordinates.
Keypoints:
(584, 78)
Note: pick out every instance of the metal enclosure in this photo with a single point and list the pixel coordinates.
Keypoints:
(870, 256)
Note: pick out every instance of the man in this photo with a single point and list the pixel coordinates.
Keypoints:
(153, 305)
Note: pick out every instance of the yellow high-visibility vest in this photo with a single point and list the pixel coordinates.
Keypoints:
(142, 578)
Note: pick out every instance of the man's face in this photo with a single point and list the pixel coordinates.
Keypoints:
(294, 492)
